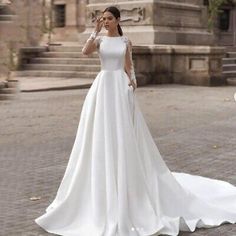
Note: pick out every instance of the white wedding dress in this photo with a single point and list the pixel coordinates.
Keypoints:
(116, 182)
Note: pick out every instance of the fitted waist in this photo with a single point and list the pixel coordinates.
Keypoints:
(120, 69)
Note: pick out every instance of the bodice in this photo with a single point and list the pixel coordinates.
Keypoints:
(112, 51)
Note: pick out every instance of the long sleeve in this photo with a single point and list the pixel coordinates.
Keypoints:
(91, 47)
(129, 65)
(98, 41)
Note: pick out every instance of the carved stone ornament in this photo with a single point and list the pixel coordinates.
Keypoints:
(136, 14)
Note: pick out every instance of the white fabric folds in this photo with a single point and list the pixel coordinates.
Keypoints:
(116, 182)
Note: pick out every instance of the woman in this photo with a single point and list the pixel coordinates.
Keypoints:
(116, 183)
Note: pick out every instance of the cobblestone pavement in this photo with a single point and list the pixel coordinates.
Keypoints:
(194, 128)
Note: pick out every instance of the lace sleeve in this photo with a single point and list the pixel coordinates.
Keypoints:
(129, 61)
(98, 41)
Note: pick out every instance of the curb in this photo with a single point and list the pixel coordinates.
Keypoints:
(84, 86)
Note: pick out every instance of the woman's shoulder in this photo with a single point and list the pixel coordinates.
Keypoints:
(127, 40)
(99, 38)
(125, 37)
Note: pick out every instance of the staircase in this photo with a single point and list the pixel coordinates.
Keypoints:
(9, 89)
(229, 65)
(62, 62)
(6, 14)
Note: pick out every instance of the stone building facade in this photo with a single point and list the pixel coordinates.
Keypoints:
(20, 25)
(173, 35)
(226, 25)
(172, 42)
(175, 22)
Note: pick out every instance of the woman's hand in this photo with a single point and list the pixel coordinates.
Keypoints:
(99, 24)
(133, 84)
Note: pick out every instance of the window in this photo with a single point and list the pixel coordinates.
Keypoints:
(224, 19)
(60, 15)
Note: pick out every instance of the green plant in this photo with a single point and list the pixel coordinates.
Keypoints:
(47, 19)
(213, 11)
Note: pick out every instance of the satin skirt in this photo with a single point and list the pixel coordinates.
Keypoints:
(116, 182)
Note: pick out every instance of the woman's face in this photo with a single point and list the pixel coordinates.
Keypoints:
(109, 21)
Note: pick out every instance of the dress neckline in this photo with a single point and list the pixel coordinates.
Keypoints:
(113, 36)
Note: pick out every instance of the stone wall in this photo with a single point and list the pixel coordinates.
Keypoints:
(192, 65)
(227, 35)
(145, 22)
(75, 23)
(23, 27)
(150, 22)
(172, 42)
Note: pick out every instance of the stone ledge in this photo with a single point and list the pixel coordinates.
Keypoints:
(3, 84)
(26, 53)
(178, 49)
(34, 49)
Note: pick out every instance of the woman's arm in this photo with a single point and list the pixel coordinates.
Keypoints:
(92, 42)
(129, 67)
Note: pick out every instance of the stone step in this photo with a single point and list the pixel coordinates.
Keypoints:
(7, 96)
(67, 54)
(33, 84)
(62, 67)
(229, 61)
(229, 74)
(6, 17)
(231, 54)
(71, 61)
(8, 91)
(229, 67)
(3, 84)
(231, 81)
(231, 49)
(62, 48)
(46, 73)
(13, 83)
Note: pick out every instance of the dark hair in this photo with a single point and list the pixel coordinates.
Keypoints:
(116, 13)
